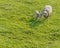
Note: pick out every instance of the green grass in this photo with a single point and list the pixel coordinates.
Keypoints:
(19, 29)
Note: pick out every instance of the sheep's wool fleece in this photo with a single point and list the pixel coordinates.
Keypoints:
(48, 8)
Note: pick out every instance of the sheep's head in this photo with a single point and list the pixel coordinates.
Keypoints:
(45, 14)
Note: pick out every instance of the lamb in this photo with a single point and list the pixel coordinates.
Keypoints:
(47, 11)
(37, 14)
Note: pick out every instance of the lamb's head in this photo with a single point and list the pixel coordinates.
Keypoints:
(45, 14)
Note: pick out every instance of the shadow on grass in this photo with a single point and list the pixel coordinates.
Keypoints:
(34, 23)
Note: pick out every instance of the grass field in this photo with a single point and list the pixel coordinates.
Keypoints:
(19, 29)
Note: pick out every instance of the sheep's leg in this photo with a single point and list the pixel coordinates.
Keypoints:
(40, 17)
(37, 15)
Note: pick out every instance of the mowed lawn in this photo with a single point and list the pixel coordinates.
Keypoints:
(19, 29)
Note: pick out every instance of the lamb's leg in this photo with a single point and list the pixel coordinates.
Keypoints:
(37, 15)
(41, 17)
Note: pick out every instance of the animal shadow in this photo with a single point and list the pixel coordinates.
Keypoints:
(34, 22)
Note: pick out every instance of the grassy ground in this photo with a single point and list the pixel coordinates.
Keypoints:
(18, 29)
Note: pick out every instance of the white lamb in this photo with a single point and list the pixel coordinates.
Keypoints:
(37, 14)
(47, 11)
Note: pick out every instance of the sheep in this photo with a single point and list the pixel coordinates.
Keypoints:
(47, 11)
(37, 14)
